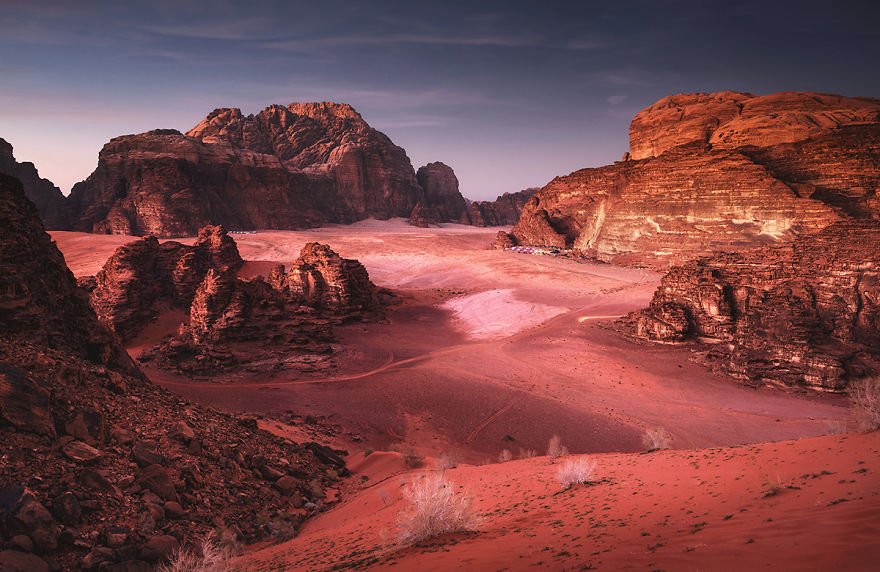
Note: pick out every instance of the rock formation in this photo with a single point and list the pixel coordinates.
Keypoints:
(323, 280)
(732, 119)
(50, 202)
(237, 323)
(285, 322)
(102, 469)
(806, 313)
(144, 276)
(443, 201)
(287, 167)
(717, 172)
(503, 211)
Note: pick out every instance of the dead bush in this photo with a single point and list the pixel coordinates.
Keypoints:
(435, 507)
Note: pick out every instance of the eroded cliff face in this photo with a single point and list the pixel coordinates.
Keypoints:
(50, 202)
(102, 469)
(687, 202)
(733, 119)
(714, 172)
(442, 200)
(806, 313)
(287, 167)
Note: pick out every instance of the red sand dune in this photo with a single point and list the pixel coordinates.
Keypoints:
(812, 504)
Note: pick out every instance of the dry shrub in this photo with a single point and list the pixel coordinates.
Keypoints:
(656, 439)
(412, 459)
(865, 398)
(576, 471)
(555, 448)
(435, 508)
(208, 556)
(504, 456)
(446, 462)
(527, 453)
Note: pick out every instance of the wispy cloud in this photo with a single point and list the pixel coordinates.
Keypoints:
(233, 29)
(616, 99)
(392, 39)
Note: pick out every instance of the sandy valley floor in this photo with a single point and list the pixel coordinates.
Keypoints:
(494, 350)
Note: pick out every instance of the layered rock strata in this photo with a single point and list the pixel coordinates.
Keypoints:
(732, 119)
(712, 172)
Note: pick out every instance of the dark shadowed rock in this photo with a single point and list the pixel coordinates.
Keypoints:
(50, 202)
(803, 314)
(441, 195)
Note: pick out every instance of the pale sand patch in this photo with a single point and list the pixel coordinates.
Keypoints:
(498, 313)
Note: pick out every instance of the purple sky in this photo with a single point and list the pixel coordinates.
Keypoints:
(510, 94)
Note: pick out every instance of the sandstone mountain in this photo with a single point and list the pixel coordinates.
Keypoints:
(286, 167)
(102, 469)
(50, 202)
(503, 211)
(805, 313)
(717, 172)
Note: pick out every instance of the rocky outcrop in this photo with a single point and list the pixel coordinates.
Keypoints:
(285, 322)
(717, 172)
(442, 197)
(287, 167)
(50, 202)
(323, 280)
(145, 276)
(503, 211)
(102, 469)
(237, 323)
(732, 119)
(804, 314)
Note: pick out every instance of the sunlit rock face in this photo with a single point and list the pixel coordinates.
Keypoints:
(717, 172)
(286, 167)
(50, 202)
(733, 119)
(806, 313)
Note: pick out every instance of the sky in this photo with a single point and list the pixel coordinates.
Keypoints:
(509, 93)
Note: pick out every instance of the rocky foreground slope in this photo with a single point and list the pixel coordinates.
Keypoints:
(287, 167)
(100, 468)
(50, 202)
(284, 321)
(806, 313)
(711, 172)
